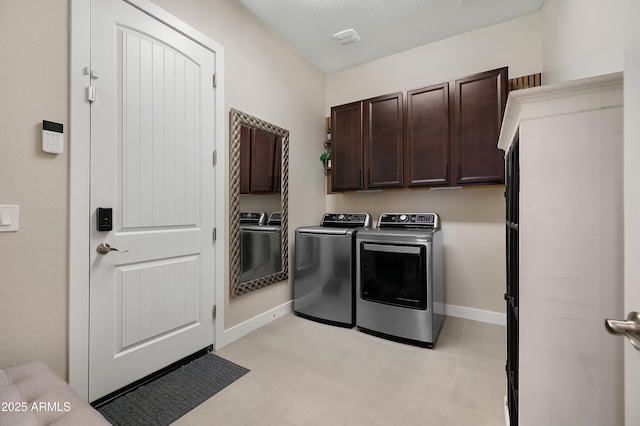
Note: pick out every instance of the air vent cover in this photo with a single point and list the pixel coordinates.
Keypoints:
(347, 36)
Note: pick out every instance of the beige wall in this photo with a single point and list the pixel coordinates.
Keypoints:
(472, 218)
(33, 261)
(267, 78)
(582, 38)
(516, 43)
(473, 231)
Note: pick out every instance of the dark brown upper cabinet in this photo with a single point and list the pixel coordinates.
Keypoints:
(346, 147)
(449, 136)
(480, 101)
(428, 130)
(260, 161)
(383, 141)
(367, 139)
(277, 165)
(245, 160)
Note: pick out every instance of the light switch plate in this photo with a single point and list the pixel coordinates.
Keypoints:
(9, 218)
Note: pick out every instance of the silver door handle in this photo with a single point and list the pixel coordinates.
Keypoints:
(629, 328)
(104, 248)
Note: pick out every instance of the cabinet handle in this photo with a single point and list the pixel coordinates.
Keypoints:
(446, 174)
(368, 176)
(360, 180)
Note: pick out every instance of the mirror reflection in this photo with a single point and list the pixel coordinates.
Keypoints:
(260, 239)
(259, 154)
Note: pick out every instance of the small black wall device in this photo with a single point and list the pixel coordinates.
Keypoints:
(103, 219)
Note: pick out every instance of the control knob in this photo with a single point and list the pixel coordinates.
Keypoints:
(403, 217)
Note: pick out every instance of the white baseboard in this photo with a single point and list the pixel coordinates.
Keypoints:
(237, 331)
(475, 314)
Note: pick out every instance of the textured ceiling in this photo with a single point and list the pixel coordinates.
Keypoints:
(385, 26)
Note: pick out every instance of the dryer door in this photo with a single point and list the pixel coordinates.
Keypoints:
(394, 274)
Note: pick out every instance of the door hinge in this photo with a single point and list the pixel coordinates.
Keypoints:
(215, 157)
(214, 312)
(215, 234)
(91, 94)
(215, 80)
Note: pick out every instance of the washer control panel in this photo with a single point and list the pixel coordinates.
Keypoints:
(346, 220)
(253, 218)
(409, 220)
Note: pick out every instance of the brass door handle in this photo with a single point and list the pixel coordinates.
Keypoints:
(629, 328)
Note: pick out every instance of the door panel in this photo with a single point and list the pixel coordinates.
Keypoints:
(159, 142)
(383, 136)
(262, 160)
(346, 147)
(157, 297)
(152, 139)
(427, 139)
(480, 101)
(245, 160)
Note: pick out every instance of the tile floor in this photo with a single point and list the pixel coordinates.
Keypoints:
(307, 373)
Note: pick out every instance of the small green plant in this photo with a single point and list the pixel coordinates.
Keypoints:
(325, 156)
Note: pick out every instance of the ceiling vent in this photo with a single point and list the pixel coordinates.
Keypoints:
(347, 36)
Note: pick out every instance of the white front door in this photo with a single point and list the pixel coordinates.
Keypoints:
(632, 203)
(152, 143)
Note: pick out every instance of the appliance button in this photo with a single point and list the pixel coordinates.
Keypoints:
(403, 217)
(341, 217)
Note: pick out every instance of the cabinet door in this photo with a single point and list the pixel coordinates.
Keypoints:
(427, 136)
(479, 106)
(383, 141)
(262, 152)
(277, 165)
(245, 160)
(346, 147)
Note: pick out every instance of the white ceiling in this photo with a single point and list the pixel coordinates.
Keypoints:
(385, 26)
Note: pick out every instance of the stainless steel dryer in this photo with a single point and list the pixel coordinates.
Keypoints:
(400, 278)
(324, 280)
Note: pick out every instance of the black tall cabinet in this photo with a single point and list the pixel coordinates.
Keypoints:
(512, 195)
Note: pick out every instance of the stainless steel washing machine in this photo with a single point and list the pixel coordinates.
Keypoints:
(400, 278)
(324, 279)
(260, 245)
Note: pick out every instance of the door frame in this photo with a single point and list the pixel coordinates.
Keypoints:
(79, 175)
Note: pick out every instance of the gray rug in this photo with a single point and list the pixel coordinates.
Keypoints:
(169, 397)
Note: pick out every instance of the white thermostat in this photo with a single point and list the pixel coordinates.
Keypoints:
(52, 137)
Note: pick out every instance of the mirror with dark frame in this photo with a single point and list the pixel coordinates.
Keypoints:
(259, 158)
